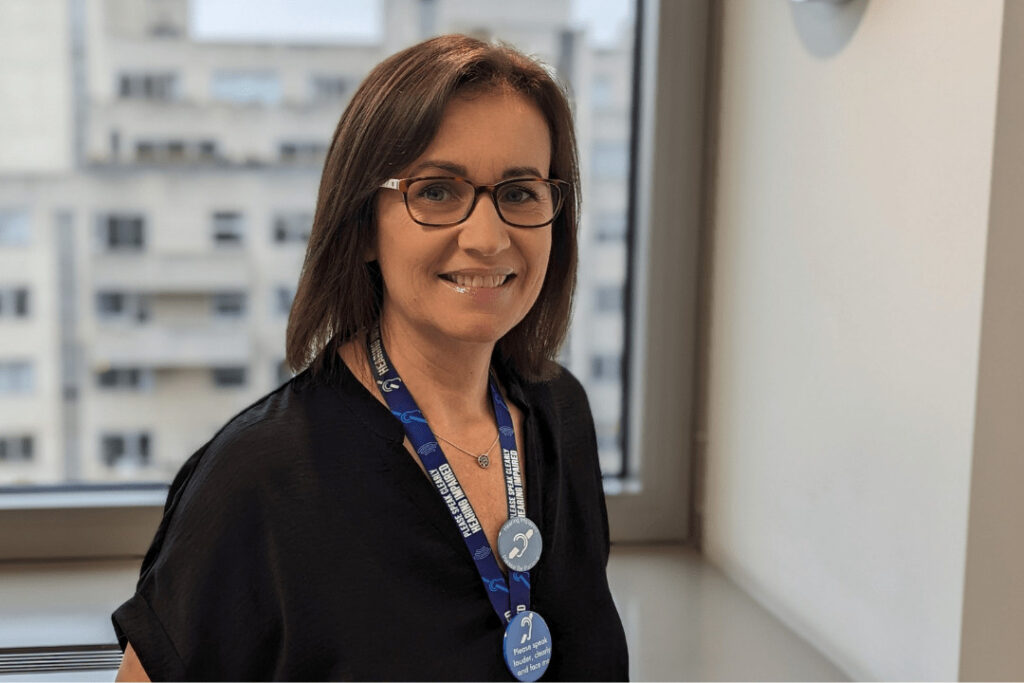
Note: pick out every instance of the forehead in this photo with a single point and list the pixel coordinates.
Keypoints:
(488, 133)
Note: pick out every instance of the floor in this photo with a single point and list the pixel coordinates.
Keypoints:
(684, 620)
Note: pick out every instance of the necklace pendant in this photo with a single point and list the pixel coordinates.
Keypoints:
(483, 461)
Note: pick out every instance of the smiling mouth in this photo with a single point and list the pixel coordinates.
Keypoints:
(478, 281)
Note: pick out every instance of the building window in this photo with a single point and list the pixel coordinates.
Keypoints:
(16, 377)
(129, 307)
(301, 152)
(283, 296)
(135, 379)
(16, 448)
(609, 299)
(122, 232)
(13, 302)
(14, 228)
(208, 150)
(229, 377)
(606, 367)
(160, 87)
(174, 151)
(246, 87)
(229, 305)
(328, 88)
(125, 449)
(228, 229)
(292, 226)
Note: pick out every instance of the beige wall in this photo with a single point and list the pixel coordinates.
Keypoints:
(35, 127)
(993, 617)
(848, 269)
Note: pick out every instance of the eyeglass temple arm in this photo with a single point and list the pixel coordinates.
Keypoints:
(391, 184)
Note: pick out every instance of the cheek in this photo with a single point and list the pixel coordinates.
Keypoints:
(540, 257)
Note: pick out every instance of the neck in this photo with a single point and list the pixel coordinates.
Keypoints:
(447, 378)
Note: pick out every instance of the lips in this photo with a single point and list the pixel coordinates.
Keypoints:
(478, 280)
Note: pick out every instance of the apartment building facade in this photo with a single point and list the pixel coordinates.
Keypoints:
(148, 259)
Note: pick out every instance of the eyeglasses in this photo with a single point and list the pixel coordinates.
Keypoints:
(439, 201)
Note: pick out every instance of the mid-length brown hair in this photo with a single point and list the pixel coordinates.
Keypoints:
(390, 121)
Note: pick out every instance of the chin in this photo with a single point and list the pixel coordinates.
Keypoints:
(477, 334)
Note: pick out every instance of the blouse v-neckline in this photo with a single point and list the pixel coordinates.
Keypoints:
(408, 475)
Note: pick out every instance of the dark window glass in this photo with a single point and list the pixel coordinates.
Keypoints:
(229, 377)
(229, 305)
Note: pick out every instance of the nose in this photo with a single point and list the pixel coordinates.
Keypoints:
(484, 232)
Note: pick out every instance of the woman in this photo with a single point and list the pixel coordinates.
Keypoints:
(424, 500)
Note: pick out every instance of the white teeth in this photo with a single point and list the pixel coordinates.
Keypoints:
(489, 281)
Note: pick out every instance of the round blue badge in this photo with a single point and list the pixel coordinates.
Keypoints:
(519, 544)
(527, 646)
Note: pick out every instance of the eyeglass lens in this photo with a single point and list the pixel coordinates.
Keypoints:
(441, 201)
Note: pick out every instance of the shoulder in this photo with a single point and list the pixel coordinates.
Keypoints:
(281, 438)
(561, 393)
(271, 426)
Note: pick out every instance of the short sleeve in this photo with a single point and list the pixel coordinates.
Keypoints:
(205, 604)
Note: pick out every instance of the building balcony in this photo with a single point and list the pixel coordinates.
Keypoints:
(167, 346)
(172, 273)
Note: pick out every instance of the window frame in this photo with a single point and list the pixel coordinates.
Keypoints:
(654, 501)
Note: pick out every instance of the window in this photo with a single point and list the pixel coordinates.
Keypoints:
(245, 87)
(148, 86)
(124, 378)
(13, 302)
(609, 299)
(16, 448)
(229, 305)
(122, 306)
(283, 295)
(14, 228)
(606, 367)
(301, 152)
(175, 151)
(300, 145)
(16, 377)
(208, 150)
(122, 232)
(125, 450)
(228, 229)
(229, 377)
(327, 88)
(292, 227)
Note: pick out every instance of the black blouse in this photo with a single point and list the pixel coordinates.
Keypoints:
(303, 543)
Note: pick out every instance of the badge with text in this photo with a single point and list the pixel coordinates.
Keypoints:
(519, 544)
(527, 646)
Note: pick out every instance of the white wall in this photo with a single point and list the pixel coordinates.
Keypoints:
(852, 211)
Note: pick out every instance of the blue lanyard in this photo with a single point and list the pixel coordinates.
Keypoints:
(504, 596)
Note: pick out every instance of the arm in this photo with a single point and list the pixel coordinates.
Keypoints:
(131, 668)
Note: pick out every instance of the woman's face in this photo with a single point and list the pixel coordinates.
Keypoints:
(485, 138)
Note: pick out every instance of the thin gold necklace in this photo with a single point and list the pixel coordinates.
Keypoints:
(482, 459)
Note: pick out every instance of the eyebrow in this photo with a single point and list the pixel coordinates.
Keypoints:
(462, 171)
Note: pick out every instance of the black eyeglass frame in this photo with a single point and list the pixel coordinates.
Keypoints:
(402, 185)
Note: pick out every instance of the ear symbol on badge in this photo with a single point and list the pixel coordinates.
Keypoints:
(528, 623)
(520, 544)
(517, 551)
